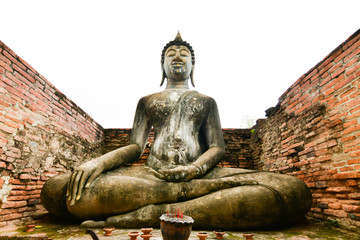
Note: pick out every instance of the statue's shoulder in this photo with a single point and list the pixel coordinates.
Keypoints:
(148, 99)
(150, 96)
(201, 95)
(205, 97)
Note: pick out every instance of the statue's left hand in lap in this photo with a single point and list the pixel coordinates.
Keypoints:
(81, 179)
(177, 174)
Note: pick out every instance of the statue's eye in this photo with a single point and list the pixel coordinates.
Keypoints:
(170, 53)
(184, 53)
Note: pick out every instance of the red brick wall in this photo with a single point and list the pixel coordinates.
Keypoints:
(313, 134)
(237, 149)
(42, 133)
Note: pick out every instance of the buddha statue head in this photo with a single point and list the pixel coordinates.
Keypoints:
(177, 61)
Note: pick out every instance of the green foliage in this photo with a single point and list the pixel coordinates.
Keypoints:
(332, 223)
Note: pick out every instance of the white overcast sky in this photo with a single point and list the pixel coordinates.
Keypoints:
(105, 55)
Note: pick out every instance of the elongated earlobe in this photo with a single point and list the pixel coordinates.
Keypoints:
(162, 78)
(163, 74)
(192, 77)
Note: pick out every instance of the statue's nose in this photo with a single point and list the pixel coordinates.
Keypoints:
(177, 55)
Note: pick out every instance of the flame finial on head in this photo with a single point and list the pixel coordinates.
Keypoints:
(178, 37)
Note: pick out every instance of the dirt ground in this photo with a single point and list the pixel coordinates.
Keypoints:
(49, 228)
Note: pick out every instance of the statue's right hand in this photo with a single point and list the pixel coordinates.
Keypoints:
(81, 178)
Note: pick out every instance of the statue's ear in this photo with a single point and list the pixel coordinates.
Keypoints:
(163, 75)
(192, 76)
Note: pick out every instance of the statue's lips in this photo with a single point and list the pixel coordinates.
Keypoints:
(177, 64)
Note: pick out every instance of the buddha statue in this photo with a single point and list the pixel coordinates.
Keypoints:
(181, 171)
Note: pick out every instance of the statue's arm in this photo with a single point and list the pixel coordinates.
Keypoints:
(141, 127)
(212, 131)
(83, 175)
(138, 138)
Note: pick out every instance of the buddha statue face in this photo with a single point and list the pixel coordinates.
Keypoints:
(177, 63)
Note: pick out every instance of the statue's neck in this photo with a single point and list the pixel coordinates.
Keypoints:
(171, 84)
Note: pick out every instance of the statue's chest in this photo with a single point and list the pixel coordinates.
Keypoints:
(172, 106)
(162, 106)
